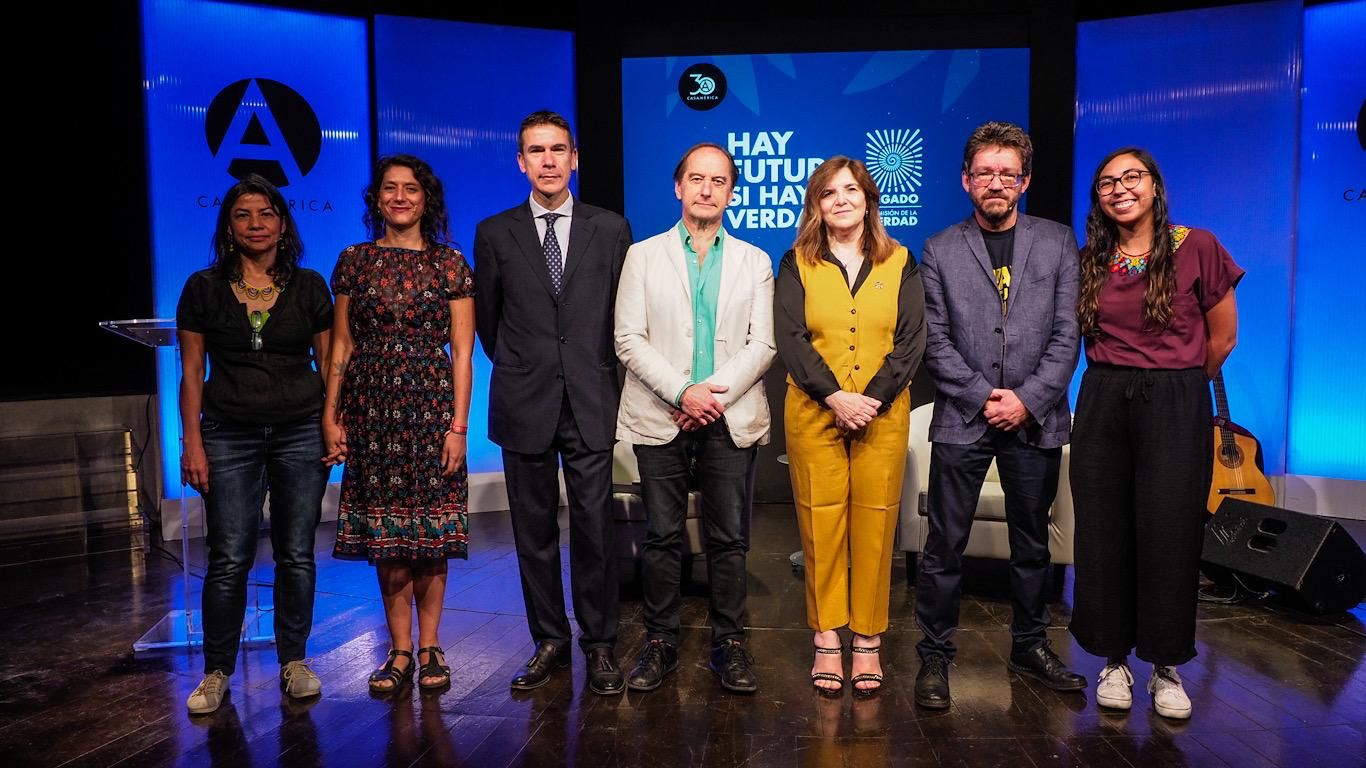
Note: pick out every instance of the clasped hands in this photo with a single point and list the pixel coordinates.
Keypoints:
(1004, 411)
(698, 406)
(852, 410)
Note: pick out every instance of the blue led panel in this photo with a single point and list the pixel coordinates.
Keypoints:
(231, 89)
(1328, 358)
(1212, 94)
(453, 94)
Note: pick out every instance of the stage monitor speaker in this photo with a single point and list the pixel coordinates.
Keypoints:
(1310, 559)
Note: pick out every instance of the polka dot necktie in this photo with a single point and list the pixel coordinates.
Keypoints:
(551, 246)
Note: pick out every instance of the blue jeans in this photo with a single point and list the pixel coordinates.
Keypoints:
(724, 476)
(245, 462)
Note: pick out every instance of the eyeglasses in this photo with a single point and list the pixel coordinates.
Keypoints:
(1008, 180)
(1106, 184)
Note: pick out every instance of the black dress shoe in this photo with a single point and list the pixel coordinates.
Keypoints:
(548, 658)
(735, 666)
(604, 676)
(1043, 665)
(932, 683)
(656, 662)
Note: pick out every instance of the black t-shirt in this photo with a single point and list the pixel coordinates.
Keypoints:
(276, 384)
(1001, 249)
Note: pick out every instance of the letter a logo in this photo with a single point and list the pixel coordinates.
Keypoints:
(265, 127)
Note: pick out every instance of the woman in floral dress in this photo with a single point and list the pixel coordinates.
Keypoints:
(397, 408)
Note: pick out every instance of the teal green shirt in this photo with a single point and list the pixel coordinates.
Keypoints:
(704, 280)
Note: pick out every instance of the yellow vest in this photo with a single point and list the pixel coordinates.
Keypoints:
(853, 334)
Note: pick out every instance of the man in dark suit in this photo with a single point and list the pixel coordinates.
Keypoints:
(1002, 339)
(545, 277)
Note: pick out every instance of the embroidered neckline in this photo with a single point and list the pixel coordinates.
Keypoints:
(1135, 266)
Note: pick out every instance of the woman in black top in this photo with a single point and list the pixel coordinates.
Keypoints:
(253, 426)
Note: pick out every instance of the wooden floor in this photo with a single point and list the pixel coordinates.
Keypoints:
(1270, 688)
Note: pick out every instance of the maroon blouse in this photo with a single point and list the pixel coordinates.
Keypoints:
(1204, 273)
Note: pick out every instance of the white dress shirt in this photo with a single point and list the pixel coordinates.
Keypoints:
(566, 210)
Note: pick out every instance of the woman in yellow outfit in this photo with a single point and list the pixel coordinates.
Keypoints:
(849, 316)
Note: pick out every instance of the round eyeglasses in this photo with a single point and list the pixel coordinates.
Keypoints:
(1129, 179)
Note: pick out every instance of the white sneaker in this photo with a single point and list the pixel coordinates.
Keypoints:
(298, 681)
(1169, 698)
(1115, 689)
(209, 694)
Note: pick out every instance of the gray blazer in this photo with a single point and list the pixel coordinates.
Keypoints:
(964, 350)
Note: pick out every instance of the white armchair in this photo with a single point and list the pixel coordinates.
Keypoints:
(989, 536)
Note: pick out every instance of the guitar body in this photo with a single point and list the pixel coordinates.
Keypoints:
(1237, 459)
(1237, 468)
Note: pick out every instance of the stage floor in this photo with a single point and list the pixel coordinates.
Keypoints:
(1269, 687)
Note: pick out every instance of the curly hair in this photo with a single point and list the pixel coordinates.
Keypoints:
(436, 224)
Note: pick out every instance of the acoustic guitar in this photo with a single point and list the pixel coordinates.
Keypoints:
(1237, 458)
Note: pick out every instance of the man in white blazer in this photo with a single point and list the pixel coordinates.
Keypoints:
(694, 328)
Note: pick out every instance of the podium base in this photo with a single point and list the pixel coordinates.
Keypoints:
(178, 630)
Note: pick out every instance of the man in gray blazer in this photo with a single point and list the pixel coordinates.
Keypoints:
(1002, 339)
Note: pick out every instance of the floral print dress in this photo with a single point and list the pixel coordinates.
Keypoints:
(397, 402)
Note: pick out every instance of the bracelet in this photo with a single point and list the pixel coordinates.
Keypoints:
(460, 429)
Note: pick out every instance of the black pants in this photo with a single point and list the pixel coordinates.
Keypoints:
(1141, 463)
(1029, 477)
(534, 498)
(724, 475)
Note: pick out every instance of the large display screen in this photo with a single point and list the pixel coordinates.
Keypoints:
(906, 114)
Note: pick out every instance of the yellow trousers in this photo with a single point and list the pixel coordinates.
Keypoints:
(847, 490)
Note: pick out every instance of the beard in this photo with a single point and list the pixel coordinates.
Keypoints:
(996, 215)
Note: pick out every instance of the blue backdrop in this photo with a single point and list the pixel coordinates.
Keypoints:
(225, 93)
(453, 94)
(1222, 127)
(906, 113)
(1328, 360)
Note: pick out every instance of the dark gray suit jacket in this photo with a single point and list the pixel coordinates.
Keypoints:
(971, 349)
(541, 344)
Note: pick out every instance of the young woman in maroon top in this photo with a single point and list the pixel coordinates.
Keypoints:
(1158, 318)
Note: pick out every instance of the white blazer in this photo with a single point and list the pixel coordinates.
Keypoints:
(654, 338)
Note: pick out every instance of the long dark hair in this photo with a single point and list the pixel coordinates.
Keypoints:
(435, 225)
(812, 238)
(226, 261)
(1102, 237)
